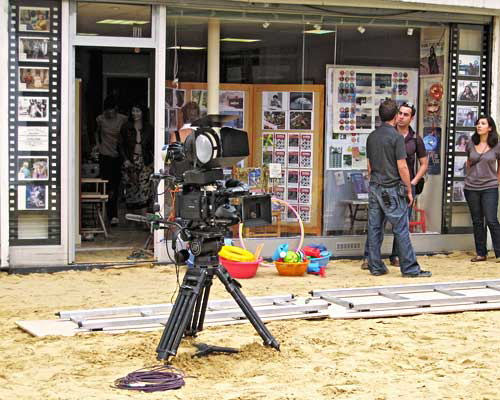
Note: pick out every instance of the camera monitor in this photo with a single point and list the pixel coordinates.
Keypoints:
(256, 210)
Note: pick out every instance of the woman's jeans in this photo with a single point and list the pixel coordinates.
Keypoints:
(483, 206)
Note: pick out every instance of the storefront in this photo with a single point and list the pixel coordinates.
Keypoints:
(304, 81)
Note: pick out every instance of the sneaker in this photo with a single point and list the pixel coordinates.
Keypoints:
(364, 265)
(420, 274)
(114, 221)
(394, 261)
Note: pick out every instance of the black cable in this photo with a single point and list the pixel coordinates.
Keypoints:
(154, 379)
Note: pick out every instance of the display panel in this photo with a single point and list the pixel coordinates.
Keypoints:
(34, 122)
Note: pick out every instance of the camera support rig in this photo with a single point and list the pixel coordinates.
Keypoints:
(188, 313)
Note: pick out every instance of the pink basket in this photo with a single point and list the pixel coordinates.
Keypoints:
(241, 270)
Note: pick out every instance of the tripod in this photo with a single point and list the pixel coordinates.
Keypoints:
(190, 306)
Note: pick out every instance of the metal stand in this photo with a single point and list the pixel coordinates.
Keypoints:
(189, 310)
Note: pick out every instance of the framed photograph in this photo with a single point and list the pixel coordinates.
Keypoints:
(463, 138)
(301, 100)
(169, 98)
(301, 120)
(458, 192)
(33, 109)
(179, 98)
(34, 19)
(467, 116)
(33, 138)
(231, 100)
(34, 79)
(274, 120)
(35, 49)
(273, 100)
(468, 90)
(459, 166)
(200, 98)
(33, 168)
(469, 65)
(32, 197)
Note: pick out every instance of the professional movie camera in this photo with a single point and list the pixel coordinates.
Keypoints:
(205, 207)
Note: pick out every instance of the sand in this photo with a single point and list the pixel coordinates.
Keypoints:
(453, 356)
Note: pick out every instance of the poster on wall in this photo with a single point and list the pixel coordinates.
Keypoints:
(33, 168)
(33, 109)
(352, 111)
(432, 51)
(32, 197)
(33, 138)
(432, 142)
(34, 49)
(34, 19)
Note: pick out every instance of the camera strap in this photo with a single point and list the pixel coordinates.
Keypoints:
(177, 136)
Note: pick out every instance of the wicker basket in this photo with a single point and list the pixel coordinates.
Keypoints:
(291, 269)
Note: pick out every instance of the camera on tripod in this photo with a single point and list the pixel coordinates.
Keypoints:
(204, 211)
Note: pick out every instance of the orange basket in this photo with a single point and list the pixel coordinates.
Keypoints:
(291, 269)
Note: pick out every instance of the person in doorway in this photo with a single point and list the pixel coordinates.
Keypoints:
(137, 150)
(415, 149)
(481, 186)
(390, 194)
(109, 125)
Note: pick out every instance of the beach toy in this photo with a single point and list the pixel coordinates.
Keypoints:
(235, 253)
(241, 270)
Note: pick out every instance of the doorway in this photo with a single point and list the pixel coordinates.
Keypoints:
(116, 78)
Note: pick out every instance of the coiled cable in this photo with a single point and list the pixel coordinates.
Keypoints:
(154, 379)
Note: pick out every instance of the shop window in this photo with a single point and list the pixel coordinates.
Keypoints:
(113, 19)
(187, 49)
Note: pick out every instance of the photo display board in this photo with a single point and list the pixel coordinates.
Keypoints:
(353, 97)
(469, 93)
(288, 127)
(34, 122)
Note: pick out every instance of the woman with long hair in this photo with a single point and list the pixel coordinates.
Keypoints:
(481, 185)
(137, 151)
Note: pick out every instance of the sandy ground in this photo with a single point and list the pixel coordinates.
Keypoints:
(453, 356)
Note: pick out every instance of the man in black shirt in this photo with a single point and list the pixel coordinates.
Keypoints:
(415, 149)
(390, 193)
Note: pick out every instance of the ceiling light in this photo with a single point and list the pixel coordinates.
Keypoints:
(121, 22)
(240, 40)
(265, 25)
(317, 27)
(319, 31)
(409, 31)
(185, 48)
(361, 29)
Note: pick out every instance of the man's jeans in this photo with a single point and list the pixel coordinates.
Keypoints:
(394, 252)
(483, 205)
(396, 212)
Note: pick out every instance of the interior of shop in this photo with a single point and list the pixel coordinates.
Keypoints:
(120, 79)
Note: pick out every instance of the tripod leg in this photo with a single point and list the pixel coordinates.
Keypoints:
(201, 306)
(194, 281)
(233, 287)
